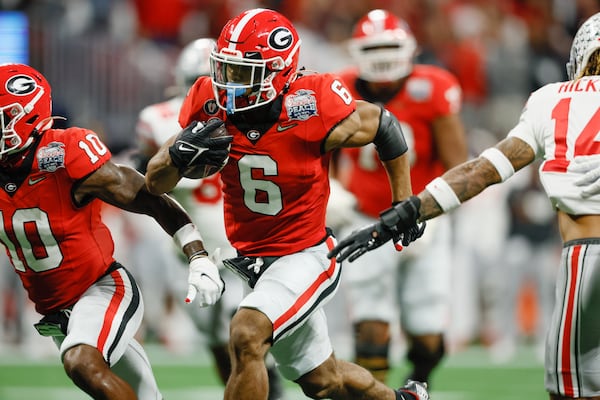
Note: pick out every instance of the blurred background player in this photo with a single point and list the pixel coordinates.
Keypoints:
(203, 200)
(426, 100)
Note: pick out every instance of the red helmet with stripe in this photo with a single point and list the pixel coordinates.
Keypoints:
(25, 106)
(255, 58)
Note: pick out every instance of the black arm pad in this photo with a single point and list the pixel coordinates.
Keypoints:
(389, 139)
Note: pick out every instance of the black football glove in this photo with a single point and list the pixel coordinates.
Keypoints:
(398, 223)
(195, 146)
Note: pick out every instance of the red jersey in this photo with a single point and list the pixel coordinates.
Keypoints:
(428, 93)
(276, 183)
(57, 249)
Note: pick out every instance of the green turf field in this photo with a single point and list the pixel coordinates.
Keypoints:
(468, 375)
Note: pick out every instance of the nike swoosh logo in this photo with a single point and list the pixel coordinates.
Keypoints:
(183, 147)
(34, 181)
(281, 128)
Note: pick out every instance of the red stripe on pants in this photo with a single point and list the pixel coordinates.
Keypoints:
(111, 311)
(568, 327)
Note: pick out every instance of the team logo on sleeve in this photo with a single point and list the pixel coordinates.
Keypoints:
(51, 157)
(301, 105)
(210, 107)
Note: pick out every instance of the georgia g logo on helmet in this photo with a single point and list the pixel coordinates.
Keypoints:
(21, 85)
(280, 39)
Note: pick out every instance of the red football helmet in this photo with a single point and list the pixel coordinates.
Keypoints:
(25, 106)
(383, 47)
(255, 58)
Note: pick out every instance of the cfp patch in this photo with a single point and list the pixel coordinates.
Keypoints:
(51, 157)
(301, 105)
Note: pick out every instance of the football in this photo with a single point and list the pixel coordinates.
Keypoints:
(199, 171)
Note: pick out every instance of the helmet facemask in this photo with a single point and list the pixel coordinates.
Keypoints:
(25, 107)
(384, 62)
(11, 117)
(244, 83)
(255, 59)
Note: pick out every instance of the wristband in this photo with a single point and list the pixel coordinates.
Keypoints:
(500, 162)
(197, 254)
(443, 194)
(186, 234)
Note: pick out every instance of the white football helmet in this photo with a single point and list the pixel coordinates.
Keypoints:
(587, 39)
(383, 47)
(193, 61)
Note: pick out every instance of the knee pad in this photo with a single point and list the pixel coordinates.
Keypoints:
(375, 358)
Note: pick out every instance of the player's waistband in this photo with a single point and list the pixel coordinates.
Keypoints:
(576, 242)
(111, 268)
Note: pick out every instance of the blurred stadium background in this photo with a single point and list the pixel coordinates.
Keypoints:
(107, 59)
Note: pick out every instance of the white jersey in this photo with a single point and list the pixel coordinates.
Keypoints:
(560, 122)
(158, 122)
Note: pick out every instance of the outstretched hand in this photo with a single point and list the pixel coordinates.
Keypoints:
(360, 241)
(398, 223)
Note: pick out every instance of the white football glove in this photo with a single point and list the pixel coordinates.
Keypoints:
(589, 166)
(204, 282)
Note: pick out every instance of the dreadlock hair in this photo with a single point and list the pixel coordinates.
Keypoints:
(593, 65)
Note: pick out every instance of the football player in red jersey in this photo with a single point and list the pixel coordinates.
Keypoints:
(559, 126)
(53, 182)
(203, 199)
(426, 99)
(284, 125)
